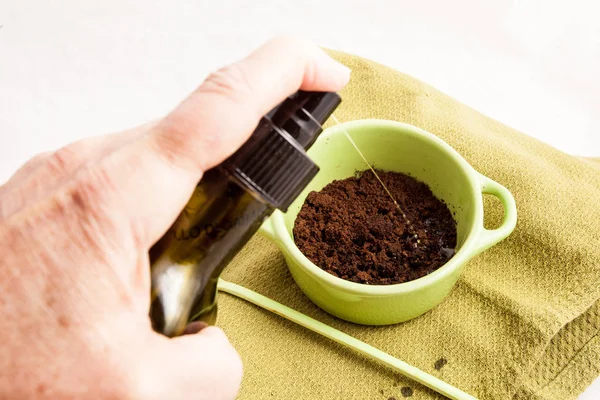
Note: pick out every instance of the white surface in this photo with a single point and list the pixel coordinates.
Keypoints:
(70, 69)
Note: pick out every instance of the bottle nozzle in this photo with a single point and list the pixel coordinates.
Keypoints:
(303, 114)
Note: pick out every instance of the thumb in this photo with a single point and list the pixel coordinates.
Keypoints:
(200, 366)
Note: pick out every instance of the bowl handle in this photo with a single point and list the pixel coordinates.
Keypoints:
(490, 237)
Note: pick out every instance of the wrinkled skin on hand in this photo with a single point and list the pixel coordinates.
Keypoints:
(76, 226)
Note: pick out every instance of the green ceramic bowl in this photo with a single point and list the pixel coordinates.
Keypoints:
(393, 146)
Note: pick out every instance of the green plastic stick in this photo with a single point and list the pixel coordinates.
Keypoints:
(325, 330)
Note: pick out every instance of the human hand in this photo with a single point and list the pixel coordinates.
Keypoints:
(76, 226)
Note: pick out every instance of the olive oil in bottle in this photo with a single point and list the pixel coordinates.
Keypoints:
(228, 206)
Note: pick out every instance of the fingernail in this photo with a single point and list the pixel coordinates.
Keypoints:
(194, 327)
(336, 71)
(342, 73)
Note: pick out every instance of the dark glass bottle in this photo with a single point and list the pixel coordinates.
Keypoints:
(228, 206)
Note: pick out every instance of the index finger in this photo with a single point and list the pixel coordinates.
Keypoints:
(154, 176)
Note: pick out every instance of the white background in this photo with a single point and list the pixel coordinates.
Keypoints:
(71, 69)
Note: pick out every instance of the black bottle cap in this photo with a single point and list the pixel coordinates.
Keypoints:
(273, 162)
(293, 115)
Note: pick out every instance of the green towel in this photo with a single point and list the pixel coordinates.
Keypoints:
(521, 323)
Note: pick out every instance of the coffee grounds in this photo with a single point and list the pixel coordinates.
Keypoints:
(353, 230)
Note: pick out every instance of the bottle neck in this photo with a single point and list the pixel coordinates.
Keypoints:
(220, 218)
